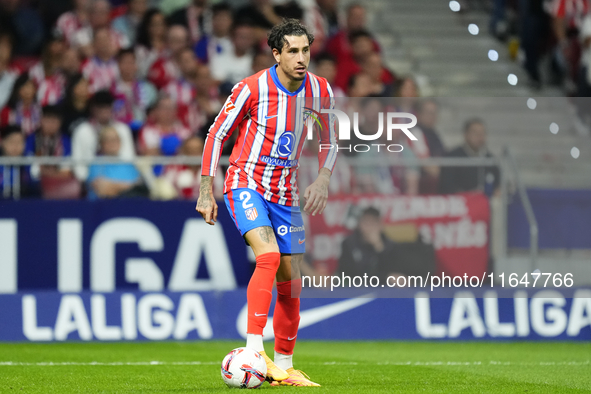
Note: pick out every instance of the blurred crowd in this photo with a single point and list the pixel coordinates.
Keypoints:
(554, 37)
(83, 78)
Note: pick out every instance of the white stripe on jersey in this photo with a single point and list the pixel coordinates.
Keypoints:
(259, 138)
(224, 128)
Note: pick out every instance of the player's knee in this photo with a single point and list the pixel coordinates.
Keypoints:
(269, 260)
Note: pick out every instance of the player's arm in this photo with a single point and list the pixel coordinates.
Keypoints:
(229, 117)
(316, 195)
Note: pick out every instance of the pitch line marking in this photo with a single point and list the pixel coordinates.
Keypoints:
(327, 363)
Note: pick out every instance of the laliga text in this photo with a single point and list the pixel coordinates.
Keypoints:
(534, 279)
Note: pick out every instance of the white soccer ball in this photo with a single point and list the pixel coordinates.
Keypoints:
(244, 368)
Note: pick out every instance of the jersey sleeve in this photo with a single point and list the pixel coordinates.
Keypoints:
(327, 158)
(234, 110)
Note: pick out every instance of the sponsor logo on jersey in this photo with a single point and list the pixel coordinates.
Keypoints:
(251, 213)
(274, 161)
(229, 107)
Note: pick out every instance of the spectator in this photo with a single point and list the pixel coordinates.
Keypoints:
(166, 68)
(339, 45)
(372, 176)
(262, 60)
(111, 180)
(182, 91)
(99, 18)
(151, 40)
(315, 19)
(101, 70)
(329, 9)
(207, 97)
(361, 47)
(75, 105)
(406, 93)
(260, 14)
(359, 85)
(367, 250)
(235, 65)
(196, 18)
(133, 96)
(428, 144)
(85, 136)
(186, 179)
(476, 178)
(128, 23)
(47, 73)
(49, 141)
(24, 24)
(22, 108)
(326, 67)
(382, 79)
(12, 144)
(7, 76)
(71, 63)
(219, 41)
(427, 111)
(166, 134)
(69, 23)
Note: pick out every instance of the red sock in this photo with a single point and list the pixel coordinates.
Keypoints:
(286, 318)
(259, 292)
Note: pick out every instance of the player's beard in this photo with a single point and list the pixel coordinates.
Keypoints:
(296, 76)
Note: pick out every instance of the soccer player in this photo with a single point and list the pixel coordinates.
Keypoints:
(261, 190)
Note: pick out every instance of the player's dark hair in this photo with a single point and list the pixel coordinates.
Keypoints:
(52, 111)
(9, 130)
(470, 122)
(288, 27)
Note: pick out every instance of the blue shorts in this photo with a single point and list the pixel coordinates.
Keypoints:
(250, 210)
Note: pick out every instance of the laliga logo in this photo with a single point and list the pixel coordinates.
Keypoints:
(345, 129)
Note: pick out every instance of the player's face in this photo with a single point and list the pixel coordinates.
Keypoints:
(295, 57)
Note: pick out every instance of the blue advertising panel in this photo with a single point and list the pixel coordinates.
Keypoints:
(504, 315)
(118, 244)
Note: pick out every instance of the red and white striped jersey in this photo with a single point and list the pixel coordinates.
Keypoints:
(162, 72)
(183, 93)
(68, 25)
(50, 89)
(272, 126)
(100, 74)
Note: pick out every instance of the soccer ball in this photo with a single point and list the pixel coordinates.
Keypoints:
(244, 368)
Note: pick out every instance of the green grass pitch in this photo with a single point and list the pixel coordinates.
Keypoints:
(341, 367)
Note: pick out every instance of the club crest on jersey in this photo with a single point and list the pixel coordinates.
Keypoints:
(229, 107)
(251, 213)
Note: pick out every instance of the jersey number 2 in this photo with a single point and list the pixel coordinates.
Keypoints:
(244, 197)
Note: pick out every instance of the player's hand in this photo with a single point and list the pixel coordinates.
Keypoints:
(207, 207)
(316, 195)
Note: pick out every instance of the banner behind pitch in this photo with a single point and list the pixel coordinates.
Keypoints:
(145, 245)
(533, 315)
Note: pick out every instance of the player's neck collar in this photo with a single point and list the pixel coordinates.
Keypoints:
(275, 77)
